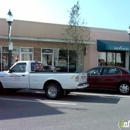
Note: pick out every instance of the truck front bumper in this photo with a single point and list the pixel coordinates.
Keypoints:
(84, 85)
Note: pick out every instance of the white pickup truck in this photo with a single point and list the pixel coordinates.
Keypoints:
(31, 75)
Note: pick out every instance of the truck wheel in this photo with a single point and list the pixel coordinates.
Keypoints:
(53, 91)
(124, 88)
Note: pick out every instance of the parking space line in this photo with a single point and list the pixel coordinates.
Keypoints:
(41, 101)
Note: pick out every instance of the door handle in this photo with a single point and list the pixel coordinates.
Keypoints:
(23, 75)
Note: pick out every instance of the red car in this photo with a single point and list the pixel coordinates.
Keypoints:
(110, 77)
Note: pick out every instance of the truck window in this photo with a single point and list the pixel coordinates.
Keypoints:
(36, 66)
(20, 67)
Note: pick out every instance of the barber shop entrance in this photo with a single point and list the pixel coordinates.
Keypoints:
(113, 53)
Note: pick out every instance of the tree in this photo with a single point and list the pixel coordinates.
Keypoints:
(76, 34)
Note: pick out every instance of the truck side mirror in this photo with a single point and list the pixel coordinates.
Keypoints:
(10, 71)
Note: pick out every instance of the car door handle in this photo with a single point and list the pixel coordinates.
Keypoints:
(23, 75)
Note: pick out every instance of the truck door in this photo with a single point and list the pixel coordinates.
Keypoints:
(17, 77)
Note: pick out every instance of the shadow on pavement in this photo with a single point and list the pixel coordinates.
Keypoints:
(90, 98)
(77, 96)
(24, 105)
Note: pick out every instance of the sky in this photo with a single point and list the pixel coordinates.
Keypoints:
(109, 14)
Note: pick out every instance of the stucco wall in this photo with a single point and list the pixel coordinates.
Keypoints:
(108, 34)
(39, 30)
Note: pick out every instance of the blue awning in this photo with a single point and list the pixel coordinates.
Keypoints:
(104, 45)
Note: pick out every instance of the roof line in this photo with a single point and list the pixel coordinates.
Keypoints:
(40, 40)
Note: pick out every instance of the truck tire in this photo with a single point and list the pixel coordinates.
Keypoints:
(53, 90)
(124, 88)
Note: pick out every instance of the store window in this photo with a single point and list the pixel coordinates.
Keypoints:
(67, 61)
(15, 55)
(4, 57)
(26, 53)
(59, 59)
(4, 65)
(111, 59)
(48, 58)
(101, 58)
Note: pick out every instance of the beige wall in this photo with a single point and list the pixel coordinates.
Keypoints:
(38, 30)
(108, 34)
(31, 29)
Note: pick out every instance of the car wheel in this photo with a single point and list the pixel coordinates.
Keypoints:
(53, 91)
(124, 88)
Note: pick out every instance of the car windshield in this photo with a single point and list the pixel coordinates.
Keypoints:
(126, 70)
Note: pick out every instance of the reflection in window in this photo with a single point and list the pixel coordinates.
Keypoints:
(111, 59)
(95, 71)
(56, 57)
(101, 58)
(4, 58)
(26, 53)
(66, 60)
(60, 59)
(26, 57)
(36, 66)
(14, 57)
(20, 67)
(110, 71)
(47, 59)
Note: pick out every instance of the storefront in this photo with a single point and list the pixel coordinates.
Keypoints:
(113, 53)
(18, 53)
(42, 42)
(50, 57)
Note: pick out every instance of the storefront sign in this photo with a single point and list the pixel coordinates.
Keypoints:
(121, 48)
(104, 45)
(10, 45)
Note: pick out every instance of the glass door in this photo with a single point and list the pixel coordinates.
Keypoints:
(48, 58)
(25, 57)
(26, 53)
